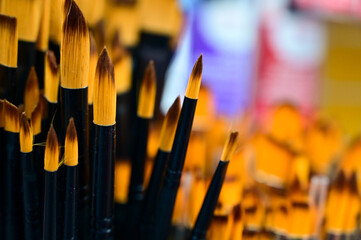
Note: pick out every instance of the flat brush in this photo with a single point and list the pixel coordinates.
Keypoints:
(12, 167)
(103, 145)
(71, 185)
(74, 61)
(42, 42)
(28, 14)
(160, 163)
(30, 186)
(31, 92)
(51, 159)
(8, 57)
(145, 113)
(173, 174)
(210, 201)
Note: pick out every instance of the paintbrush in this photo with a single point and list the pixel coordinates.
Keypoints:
(176, 159)
(8, 57)
(30, 192)
(102, 210)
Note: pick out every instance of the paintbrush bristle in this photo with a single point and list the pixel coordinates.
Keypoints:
(2, 117)
(8, 41)
(31, 94)
(51, 78)
(36, 118)
(75, 50)
(71, 145)
(42, 41)
(56, 21)
(51, 156)
(11, 114)
(195, 79)
(104, 91)
(28, 14)
(92, 68)
(169, 126)
(230, 146)
(122, 65)
(147, 92)
(26, 135)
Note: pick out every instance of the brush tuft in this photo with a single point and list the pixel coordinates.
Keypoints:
(104, 91)
(36, 118)
(230, 146)
(75, 50)
(92, 68)
(147, 93)
(169, 126)
(51, 157)
(26, 135)
(122, 65)
(51, 78)
(27, 13)
(56, 21)
(11, 113)
(31, 94)
(71, 145)
(42, 41)
(8, 41)
(194, 82)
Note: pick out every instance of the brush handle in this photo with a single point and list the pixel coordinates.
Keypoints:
(74, 103)
(31, 198)
(13, 209)
(8, 83)
(38, 160)
(152, 194)
(139, 153)
(39, 67)
(26, 59)
(165, 206)
(103, 195)
(184, 128)
(55, 47)
(71, 190)
(123, 119)
(210, 202)
(50, 202)
(2, 180)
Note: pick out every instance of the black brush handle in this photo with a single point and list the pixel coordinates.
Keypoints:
(74, 103)
(135, 193)
(152, 194)
(55, 47)
(139, 153)
(181, 139)
(104, 159)
(169, 190)
(13, 209)
(8, 83)
(123, 119)
(39, 67)
(2, 181)
(26, 59)
(71, 189)
(38, 155)
(164, 209)
(210, 202)
(31, 198)
(50, 202)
